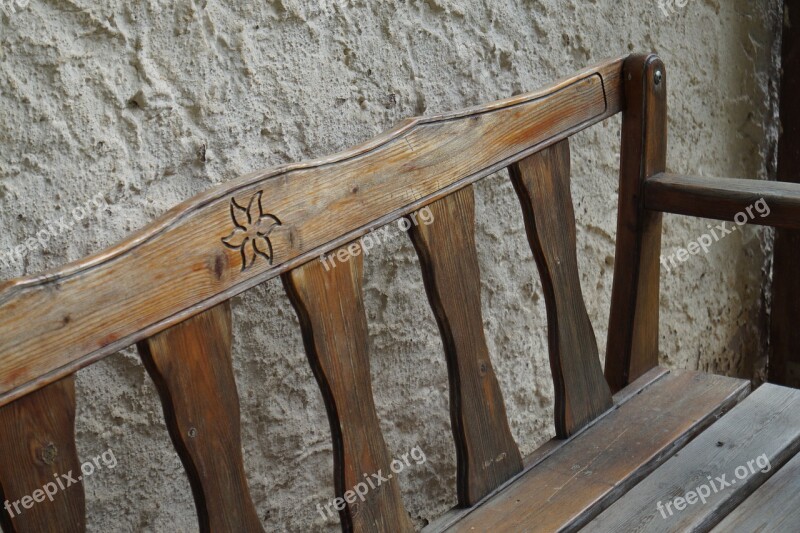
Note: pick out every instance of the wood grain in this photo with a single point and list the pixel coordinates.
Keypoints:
(38, 454)
(231, 238)
(486, 454)
(191, 366)
(775, 506)
(767, 423)
(724, 198)
(454, 515)
(542, 185)
(582, 478)
(632, 345)
(330, 307)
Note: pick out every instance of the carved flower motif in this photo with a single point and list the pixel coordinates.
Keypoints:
(251, 232)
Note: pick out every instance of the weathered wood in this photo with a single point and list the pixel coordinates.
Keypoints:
(486, 454)
(580, 479)
(191, 366)
(451, 517)
(784, 335)
(632, 346)
(330, 307)
(765, 203)
(775, 506)
(765, 425)
(238, 235)
(542, 185)
(41, 486)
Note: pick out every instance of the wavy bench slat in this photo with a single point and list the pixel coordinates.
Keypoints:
(330, 307)
(542, 185)
(486, 453)
(40, 474)
(192, 369)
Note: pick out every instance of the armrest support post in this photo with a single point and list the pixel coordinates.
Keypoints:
(632, 347)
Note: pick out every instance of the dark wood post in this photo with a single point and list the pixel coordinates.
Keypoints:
(784, 358)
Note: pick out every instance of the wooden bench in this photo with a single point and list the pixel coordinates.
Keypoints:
(632, 442)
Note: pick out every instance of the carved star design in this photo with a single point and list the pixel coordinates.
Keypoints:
(251, 231)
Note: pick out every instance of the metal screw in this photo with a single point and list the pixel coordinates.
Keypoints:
(657, 77)
(192, 433)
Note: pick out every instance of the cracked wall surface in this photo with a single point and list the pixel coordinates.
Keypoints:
(148, 103)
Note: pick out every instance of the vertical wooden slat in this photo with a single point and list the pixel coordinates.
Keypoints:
(330, 307)
(191, 366)
(784, 359)
(542, 185)
(486, 452)
(38, 458)
(632, 347)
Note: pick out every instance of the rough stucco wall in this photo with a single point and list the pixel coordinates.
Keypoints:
(121, 99)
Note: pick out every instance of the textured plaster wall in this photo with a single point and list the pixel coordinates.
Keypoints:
(150, 102)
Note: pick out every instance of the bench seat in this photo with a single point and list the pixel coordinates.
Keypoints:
(569, 482)
(681, 466)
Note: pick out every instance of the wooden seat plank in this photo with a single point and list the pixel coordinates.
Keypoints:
(576, 482)
(192, 369)
(443, 522)
(486, 453)
(723, 458)
(775, 506)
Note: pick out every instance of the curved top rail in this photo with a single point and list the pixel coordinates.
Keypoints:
(237, 235)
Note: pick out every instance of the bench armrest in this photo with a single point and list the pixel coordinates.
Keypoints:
(724, 198)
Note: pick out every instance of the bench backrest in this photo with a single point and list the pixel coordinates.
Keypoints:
(168, 288)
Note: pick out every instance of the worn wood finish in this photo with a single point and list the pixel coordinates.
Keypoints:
(238, 235)
(784, 337)
(486, 454)
(38, 460)
(542, 185)
(767, 424)
(448, 519)
(329, 304)
(725, 198)
(632, 345)
(191, 366)
(775, 506)
(580, 479)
